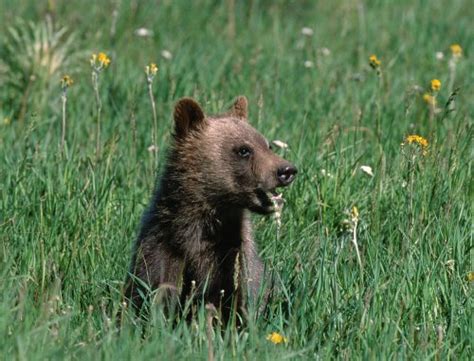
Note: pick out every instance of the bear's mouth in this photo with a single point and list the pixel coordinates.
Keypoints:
(277, 199)
(269, 201)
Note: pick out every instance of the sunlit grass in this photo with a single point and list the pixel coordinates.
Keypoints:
(367, 264)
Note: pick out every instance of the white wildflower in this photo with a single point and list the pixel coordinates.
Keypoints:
(280, 144)
(450, 263)
(367, 170)
(307, 31)
(166, 54)
(308, 64)
(300, 44)
(278, 202)
(143, 32)
(439, 55)
(152, 148)
(326, 173)
(325, 51)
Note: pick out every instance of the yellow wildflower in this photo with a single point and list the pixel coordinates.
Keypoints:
(456, 50)
(374, 62)
(276, 338)
(99, 61)
(103, 59)
(66, 81)
(470, 276)
(7, 121)
(416, 139)
(429, 99)
(435, 85)
(151, 70)
(355, 213)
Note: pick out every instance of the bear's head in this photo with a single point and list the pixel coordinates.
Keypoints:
(225, 160)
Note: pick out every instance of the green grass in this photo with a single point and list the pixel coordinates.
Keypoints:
(68, 219)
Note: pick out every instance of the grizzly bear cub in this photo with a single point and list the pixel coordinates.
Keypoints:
(196, 235)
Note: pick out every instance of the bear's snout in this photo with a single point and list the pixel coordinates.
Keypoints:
(286, 174)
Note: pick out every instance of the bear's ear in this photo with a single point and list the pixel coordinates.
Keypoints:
(188, 115)
(240, 108)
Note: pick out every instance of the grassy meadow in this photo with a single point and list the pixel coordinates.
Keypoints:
(372, 263)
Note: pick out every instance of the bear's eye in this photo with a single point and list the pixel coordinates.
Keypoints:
(244, 152)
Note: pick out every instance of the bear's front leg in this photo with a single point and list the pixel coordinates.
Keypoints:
(154, 278)
(254, 282)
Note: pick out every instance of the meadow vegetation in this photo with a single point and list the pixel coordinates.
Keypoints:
(373, 252)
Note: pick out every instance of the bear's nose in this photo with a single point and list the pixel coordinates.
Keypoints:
(286, 174)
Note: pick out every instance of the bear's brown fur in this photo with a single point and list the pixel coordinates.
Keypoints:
(196, 234)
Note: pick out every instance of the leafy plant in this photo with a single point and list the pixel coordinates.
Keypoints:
(33, 57)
